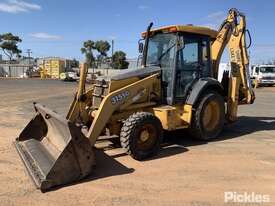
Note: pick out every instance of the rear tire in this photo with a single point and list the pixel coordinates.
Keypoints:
(209, 117)
(141, 135)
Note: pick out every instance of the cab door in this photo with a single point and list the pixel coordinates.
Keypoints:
(192, 63)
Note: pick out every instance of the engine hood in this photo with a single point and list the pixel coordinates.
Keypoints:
(139, 72)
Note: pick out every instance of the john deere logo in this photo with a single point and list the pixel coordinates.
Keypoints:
(120, 97)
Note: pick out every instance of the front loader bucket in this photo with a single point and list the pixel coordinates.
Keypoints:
(54, 150)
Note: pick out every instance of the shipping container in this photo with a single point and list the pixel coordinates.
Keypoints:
(52, 68)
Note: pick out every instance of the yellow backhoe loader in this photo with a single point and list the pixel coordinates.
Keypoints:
(176, 87)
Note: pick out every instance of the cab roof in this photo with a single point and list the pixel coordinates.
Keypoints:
(184, 28)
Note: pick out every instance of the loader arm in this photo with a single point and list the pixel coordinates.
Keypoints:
(232, 34)
(77, 112)
(119, 100)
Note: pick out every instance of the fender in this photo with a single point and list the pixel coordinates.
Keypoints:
(202, 85)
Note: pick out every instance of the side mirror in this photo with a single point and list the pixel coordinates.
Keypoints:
(140, 47)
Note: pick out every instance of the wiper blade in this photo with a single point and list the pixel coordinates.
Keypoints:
(166, 51)
(161, 56)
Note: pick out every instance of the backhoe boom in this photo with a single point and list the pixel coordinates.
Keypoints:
(232, 34)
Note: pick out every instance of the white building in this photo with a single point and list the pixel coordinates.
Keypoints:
(223, 67)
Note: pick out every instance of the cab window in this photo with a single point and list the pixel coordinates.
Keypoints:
(193, 62)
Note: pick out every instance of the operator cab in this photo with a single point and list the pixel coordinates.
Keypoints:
(183, 53)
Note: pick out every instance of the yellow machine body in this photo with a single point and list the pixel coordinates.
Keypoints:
(132, 106)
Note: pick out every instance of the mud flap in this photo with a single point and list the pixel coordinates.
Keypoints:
(54, 150)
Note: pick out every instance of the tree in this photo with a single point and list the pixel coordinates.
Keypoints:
(75, 63)
(8, 44)
(87, 49)
(102, 48)
(119, 60)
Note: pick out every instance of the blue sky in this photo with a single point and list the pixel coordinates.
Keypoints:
(58, 27)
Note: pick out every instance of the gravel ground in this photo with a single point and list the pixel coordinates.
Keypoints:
(186, 172)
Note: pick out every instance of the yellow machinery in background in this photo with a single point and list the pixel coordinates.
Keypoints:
(52, 68)
(176, 88)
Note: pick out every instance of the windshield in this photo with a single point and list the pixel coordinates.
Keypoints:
(161, 49)
(267, 69)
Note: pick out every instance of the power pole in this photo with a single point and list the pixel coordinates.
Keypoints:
(29, 61)
(112, 52)
(112, 47)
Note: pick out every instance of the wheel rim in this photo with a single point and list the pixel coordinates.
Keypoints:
(211, 116)
(147, 137)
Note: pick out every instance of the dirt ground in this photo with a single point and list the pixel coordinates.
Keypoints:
(186, 172)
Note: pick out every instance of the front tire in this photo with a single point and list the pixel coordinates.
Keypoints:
(141, 135)
(209, 117)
